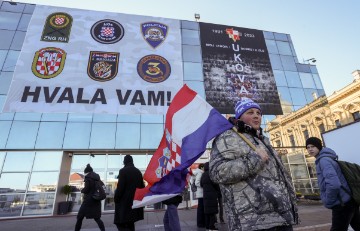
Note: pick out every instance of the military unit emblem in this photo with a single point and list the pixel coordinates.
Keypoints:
(103, 66)
(107, 31)
(48, 62)
(154, 33)
(233, 34)
(57, 28)
(153, 68)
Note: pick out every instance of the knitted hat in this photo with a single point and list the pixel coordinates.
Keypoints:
(88, 168)
(243, 105)
(314, 141)
(128, 159)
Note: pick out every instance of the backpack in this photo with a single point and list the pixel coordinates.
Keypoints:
(193, 187)
(351, 172)
(99, 193)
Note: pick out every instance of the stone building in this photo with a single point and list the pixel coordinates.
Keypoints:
(289, 132)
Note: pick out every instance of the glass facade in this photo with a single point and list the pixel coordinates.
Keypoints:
(34, 147)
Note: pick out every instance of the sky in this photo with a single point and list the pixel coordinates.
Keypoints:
(327, 30)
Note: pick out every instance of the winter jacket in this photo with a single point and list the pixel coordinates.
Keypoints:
(330, 179)
(257, 195)
(129, 179)
(176, 200)
(211, 192)
(90, 208)
(199, 191)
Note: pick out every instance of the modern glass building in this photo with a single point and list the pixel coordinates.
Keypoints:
(42, 152)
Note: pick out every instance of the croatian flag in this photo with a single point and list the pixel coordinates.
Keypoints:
(190, 124)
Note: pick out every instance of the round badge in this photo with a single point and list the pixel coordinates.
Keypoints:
(107, 31)
(153, 68)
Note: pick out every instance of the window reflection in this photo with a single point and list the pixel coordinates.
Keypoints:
(6, 37)
(2, 157)
(303, 186)
(13, 182)
(11, 60)
(140, 161)
(151, 135)
(79, 162)
(98, 162)
(39, 204)
(11, 205)
(298, 96)
(191, 53)
(43, 182)
(280, 78)
(114, 161)
(193, 71)
(299, 171)
(11, 19)
(47, 161)
(190, 37)
(284, 48)
(18, 161)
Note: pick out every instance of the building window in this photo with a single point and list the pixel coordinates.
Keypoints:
(292, 140)
(356, 116)
(337, 123)
(278, 143)
(321, 128)
(306, 134)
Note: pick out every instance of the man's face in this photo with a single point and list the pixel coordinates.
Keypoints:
(312, 150)
(252, 117)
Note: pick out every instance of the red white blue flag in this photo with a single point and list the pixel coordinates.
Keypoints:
(190, 124)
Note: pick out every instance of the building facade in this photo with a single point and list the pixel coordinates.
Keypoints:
(42, 152)
(288, 133)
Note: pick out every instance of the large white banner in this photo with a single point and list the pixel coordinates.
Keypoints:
(96, 62)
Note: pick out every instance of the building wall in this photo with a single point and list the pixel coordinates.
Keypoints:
(34, 145)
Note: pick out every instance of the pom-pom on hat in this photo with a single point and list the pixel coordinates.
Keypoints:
(128, 159)
(88, 169)
(314, 141)
(243, 105)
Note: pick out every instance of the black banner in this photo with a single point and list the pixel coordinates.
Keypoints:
(236, 64)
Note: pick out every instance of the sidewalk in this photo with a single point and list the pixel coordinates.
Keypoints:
(314, 217)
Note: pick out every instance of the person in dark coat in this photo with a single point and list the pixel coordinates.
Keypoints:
(171, 216)
(90, 208)
(211, 193)
(129, 179)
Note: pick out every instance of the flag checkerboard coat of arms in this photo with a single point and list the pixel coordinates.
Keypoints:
(190, 124)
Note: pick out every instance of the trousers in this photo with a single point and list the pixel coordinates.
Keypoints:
(171, 218)
(343, 216)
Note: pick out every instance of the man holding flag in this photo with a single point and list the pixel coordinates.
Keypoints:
(190, 124)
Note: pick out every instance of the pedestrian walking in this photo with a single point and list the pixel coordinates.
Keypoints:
(200, 216)
(210, 193)
(257, 190)
(129, 179)
(171, 216)
(334, 190)
(90, 208)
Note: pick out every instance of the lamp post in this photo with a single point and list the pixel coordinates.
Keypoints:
(197, 17)
(311, 60)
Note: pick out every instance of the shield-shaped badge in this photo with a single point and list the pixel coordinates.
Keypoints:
(57, 28)
(154, 33)
(48, 62)
(103, 66)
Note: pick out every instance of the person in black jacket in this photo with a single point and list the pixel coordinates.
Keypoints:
(211, 193)
(129, 179)
(171, 216)
(90, 208)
